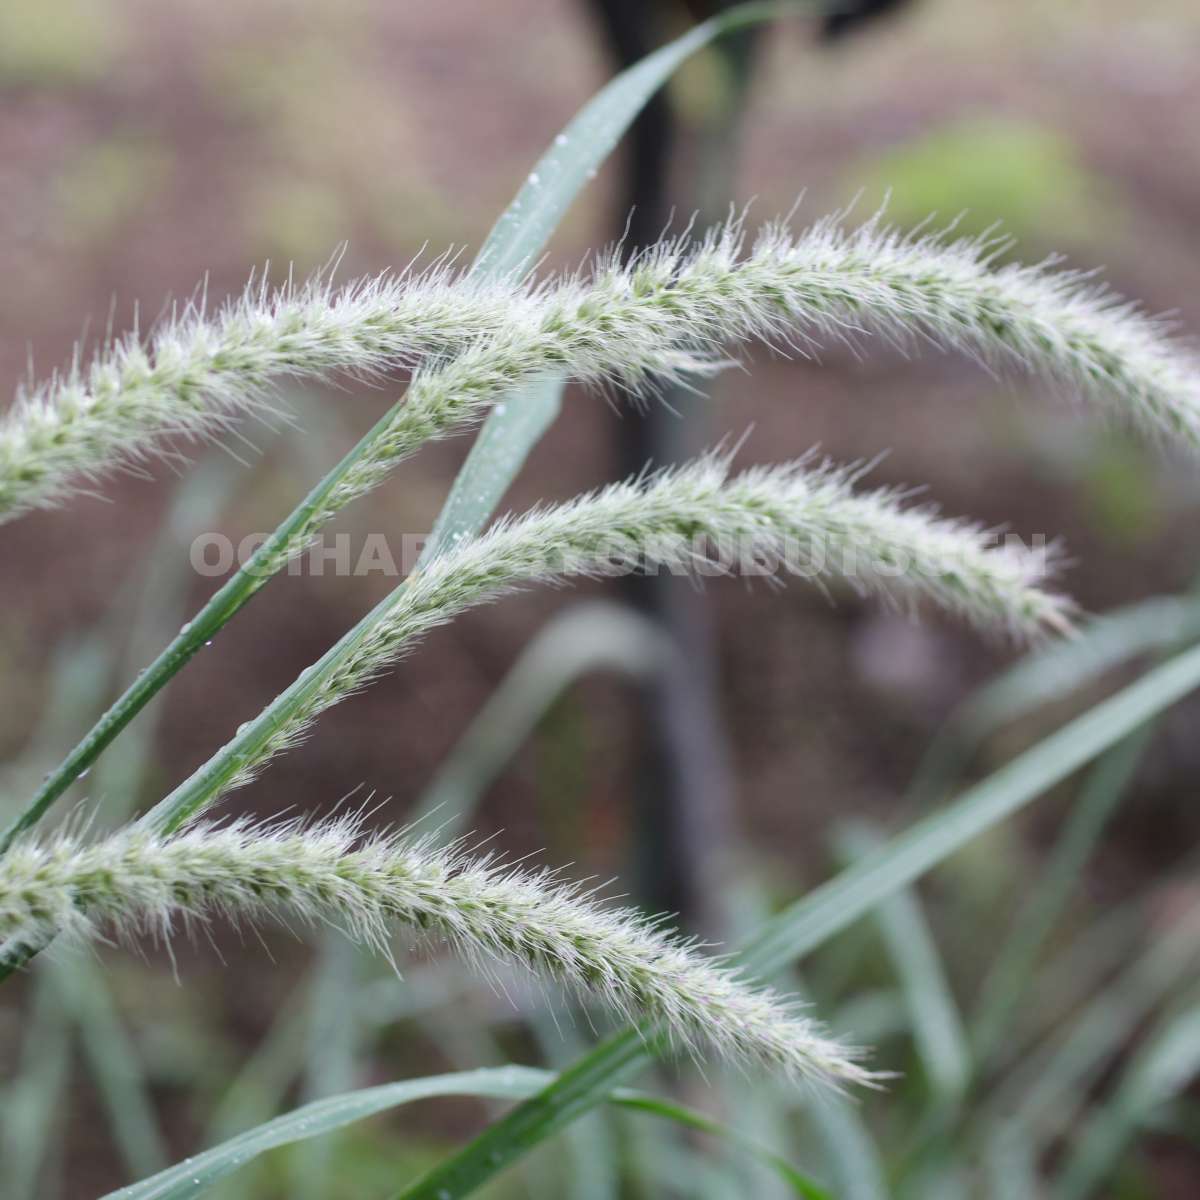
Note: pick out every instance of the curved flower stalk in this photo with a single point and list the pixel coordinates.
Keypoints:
(1038, 318)
(490, 912)
(197, 373)
(805, 520)
(663, 314)
(671, 312)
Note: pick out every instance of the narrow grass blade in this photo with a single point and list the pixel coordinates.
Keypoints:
(1048, 675)
(1103, 789)
(196, 1175)
(35, 1096)
(1076, 974)
(1013, 966)
(77, 682)
(1010, 1165)
(498, 453)
(516, 426)
(331, 1052)
(800, 1184)
(258, 1089)
(114, 1063)
(592, 1162)
(831, 907)
(852, 1158)
(1045, 1093)
(158, 597)
(587, 140)
(823, 913)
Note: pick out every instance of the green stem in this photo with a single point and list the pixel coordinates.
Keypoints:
(249, 745)
(268, 559)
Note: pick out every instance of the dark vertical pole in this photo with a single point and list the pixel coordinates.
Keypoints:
(684, 784)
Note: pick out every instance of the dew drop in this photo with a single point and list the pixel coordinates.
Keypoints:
(561, 139)
(534, 178)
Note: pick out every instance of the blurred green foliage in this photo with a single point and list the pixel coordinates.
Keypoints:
(1024, 179)
(1120, 488)
(365, 1160)
(314, 172)
(108, 182)
(62, 42)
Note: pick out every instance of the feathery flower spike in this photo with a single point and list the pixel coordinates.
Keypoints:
(667, 313)
(807, 517)
(136, 881)
(197, 373)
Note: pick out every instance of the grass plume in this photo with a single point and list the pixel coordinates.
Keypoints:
(669, 312)
(694, 519)
(198, 371)
(136, 881)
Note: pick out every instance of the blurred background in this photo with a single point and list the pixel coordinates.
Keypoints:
(145, 146)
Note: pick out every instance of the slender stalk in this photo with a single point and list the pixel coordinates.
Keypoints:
(800, 519)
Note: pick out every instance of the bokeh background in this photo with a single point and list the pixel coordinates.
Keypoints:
(145, 146)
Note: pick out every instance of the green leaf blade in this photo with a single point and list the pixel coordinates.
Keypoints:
(517, 424)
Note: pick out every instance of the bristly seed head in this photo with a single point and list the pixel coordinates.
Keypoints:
(490, 912)
(668, 313)
(806, 517)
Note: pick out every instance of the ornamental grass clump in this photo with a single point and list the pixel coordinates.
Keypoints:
(666, 315)
(476, 342)
(671, 313)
